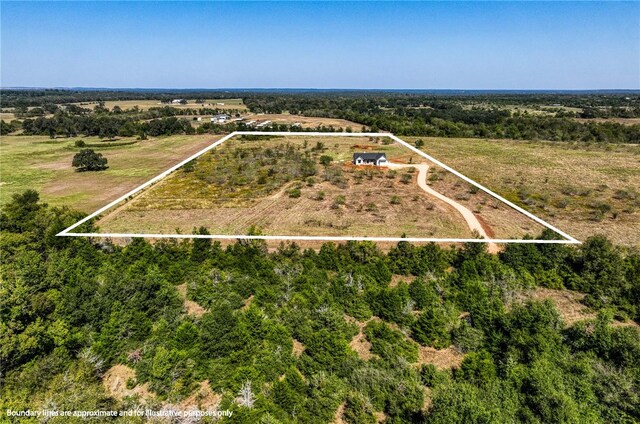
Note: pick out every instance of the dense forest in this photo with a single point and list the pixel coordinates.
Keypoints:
(530, 116)
(71, 308)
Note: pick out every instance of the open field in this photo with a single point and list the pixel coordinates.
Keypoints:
(623, 121)
(260, 182)
(43, 164)
(7, 116)
(228, 196)
(235, 104)
(581, 190)
(306, 121)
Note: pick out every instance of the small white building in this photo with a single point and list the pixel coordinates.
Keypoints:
(220, 119)
(176, 101)
(377, 159)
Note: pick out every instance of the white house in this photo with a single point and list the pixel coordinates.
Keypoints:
(377, 159)
(220, 119)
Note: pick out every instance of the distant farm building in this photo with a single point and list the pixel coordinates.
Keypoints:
(177, 101)
(377, 159)
(219, 119)
(263, 124)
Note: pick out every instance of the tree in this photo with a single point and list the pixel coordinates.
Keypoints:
(88, 160)
(419, 143)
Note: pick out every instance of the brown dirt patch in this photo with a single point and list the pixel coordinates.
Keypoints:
(362, 347)
(190, 306)
(247, 303)
(442, 358)
(569, 305)
(337, 419)
(567, 302)
(298, 348)
(396, 279)
(115, 383)
(204, 398)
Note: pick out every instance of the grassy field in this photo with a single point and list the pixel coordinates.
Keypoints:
(307, 121)
(43, 164)
(226, 191)
(235, 104)
(583, 190)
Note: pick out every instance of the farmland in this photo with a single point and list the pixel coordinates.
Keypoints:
(235, 104)
(43, 164)
(582, 190)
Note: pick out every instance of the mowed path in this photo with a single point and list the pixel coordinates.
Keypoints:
(472, 221)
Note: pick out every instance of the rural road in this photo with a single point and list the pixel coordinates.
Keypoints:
(469, 217)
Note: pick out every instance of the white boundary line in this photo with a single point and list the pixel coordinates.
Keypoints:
(67, 231)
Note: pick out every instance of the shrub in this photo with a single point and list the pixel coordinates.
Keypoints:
(325, 160)
(395, 200)
(80, 143)
(294, 193)
(319, 195)
(406, 178)
(339, 201)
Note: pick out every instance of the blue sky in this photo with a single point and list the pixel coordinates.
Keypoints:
(437, 45)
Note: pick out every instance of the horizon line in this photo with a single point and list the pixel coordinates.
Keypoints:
(92, 88)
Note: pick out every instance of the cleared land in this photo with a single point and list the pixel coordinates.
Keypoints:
(280, 185)
(583, 190)
(306, 121)
(235, 104)
(7, 116)
(43, 164)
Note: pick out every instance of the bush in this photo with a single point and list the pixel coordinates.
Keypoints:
(88, 160)
(340, 200)
(294, 193)
(406, 178)
(395, 200)
(325, 160)
(80, 143)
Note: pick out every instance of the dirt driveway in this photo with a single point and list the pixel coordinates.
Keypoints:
(472, 221)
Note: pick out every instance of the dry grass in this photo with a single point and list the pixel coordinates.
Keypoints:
(7, 116)
(298, 348)
(497, 218)
(568, 303)
(623, 121)
(204, 398)
(563, 183)
(235, 104)
(181, 202)
(306, 121)
(115, 383)
(190, 306)
(441, 358)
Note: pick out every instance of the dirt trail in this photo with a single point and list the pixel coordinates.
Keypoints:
(469, 217)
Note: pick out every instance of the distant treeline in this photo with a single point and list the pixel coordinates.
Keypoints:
(509, 116)
(451, 117)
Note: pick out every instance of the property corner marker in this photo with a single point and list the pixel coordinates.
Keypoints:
(67, 232)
